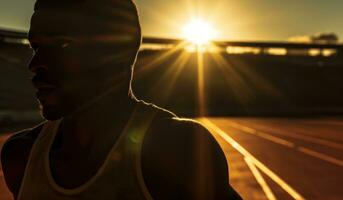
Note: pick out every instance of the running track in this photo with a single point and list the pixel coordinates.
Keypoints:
(276, 158)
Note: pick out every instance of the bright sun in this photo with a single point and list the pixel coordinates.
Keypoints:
(199, 32)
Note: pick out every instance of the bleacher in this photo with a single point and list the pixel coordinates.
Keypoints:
(234, 84)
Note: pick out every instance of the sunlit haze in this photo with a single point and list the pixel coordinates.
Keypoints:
(234, 19)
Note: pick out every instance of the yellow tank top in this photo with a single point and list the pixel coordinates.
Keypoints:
(119, 177)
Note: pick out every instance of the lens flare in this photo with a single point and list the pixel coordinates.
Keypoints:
(199, 32)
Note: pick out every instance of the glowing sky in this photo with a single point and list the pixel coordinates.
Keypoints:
(234, 19)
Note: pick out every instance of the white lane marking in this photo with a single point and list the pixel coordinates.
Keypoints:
(321, 156)
(307, 151)
(276, 140)
(297, 136)
(263, 135)
(292, 192)
(260, 179)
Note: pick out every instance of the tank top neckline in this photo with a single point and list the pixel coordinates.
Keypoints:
(47, 167)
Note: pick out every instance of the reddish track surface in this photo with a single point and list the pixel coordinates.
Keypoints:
(306, 154)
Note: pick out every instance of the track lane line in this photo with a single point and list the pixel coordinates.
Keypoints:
(277, 140)
(259, 178)
(321, 156)
(292, 192)
(320, 141)
(263, 135)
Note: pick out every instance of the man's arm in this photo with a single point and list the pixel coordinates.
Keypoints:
(14, 156)
(182, 160)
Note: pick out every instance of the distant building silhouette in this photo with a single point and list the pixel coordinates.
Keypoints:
(325, 38)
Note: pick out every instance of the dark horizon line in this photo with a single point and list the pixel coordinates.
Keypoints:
(16, 34)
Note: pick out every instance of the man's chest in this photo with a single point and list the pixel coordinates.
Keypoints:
(73, 171)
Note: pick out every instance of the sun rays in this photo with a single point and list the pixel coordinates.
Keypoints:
(198, 45)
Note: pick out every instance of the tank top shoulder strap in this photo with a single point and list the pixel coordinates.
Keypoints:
(135, 131)
(38, 150)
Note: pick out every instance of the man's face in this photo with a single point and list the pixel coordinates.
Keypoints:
(65, 66)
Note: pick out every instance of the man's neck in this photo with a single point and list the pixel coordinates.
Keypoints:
(100, 123)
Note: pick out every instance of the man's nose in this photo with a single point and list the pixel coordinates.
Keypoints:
(37, 64)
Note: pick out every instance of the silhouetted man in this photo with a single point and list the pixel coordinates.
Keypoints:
(100, 142)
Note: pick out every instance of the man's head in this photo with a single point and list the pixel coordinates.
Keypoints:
(83, 48)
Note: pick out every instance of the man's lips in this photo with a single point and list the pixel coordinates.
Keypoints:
(43, 88)
(41, 83)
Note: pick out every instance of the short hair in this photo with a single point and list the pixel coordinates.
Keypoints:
(114, 24)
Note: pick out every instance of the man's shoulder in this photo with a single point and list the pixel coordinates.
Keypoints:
(15, 153)
(168, 132)
(180, 136)
(26, 136)
(179, 131)
(181, 158)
